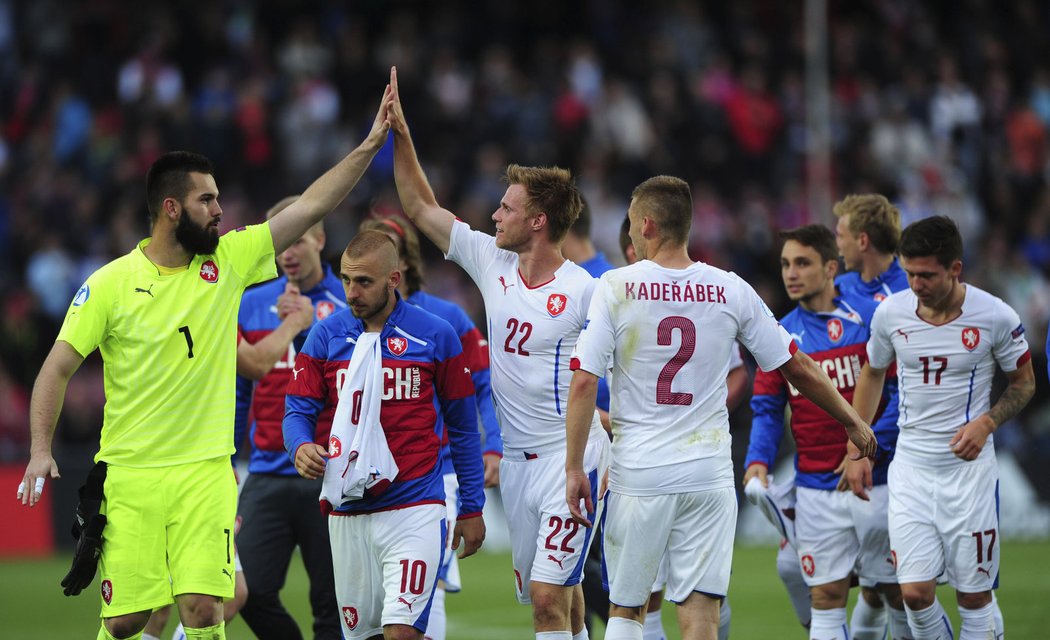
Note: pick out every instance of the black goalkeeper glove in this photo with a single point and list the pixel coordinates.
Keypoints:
(87, 531)
(85, 557)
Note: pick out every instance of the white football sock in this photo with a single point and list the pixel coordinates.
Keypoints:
(930, 623)
(623, 629)
(867, 622)
(899, 629)
(828, 624)
(977, 624)
(1000, 625)
(653, 627)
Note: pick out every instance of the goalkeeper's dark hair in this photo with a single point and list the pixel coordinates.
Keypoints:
(169, 177)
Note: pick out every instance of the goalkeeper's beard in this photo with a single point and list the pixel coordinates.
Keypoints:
(197, 239)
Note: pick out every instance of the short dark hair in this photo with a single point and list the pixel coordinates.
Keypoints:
(667, 200)
(814, 236)
(550, 190)
(368, 242)
(410, 251)
(168, 177)
(582, 227)
(936, 236)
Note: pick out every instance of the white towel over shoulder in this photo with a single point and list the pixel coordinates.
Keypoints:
(359, 460)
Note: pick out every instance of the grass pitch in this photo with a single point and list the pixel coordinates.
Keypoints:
(32, 604)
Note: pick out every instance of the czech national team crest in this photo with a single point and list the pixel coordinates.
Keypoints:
(335, 447)
(397, 346)
(808, 565)
(210, 272)
(971, 337)
(107, 591)
(556, 303)
(324, 309)
(350, 617)
(835, 329)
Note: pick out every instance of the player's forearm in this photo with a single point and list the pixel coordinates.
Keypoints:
(417, 198)
(300, 422)
(813, 383)
(465, 448)
(868, 392)
(583, 390)
(324, 195)
(254, 361)
(767, 430)
(49, 392)
(487, 411)
(329, 190)
(44, 408)
(1015, 396)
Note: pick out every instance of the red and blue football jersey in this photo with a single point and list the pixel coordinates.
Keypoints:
(424, 372)
(836, 340)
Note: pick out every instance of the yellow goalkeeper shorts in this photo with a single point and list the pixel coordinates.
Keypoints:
(169, 531)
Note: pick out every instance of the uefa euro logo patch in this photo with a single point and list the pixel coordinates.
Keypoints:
(82, 296)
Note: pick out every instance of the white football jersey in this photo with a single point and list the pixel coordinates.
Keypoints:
(944, 371)
(531, 335)
(670, 334)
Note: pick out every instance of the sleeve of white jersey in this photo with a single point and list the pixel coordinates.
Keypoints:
(1010, 347)
(594, 348)
(735, 358)
(880, 348)
(470, 249)
(759, 332)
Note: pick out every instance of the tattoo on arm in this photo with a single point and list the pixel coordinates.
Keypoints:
(1014, 398)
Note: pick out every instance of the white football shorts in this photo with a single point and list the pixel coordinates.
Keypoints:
(946, 519)
(386, 567)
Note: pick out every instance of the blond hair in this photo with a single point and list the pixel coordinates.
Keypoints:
(874, 215)
(549, 190)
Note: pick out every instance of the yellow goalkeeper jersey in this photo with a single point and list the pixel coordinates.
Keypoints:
(169, 348)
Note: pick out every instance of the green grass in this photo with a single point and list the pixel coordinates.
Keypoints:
(32, 604)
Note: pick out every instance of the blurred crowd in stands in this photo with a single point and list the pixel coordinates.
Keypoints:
(942, 106)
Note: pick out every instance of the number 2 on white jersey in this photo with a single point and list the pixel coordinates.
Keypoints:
(687, 329)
